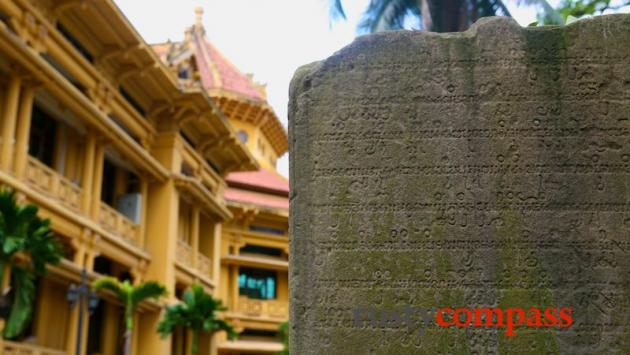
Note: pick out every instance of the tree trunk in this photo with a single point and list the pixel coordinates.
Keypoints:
(425, 10)
(5, 284)
(128, 342)
(451, 17)
(128, 329)
(195, 341)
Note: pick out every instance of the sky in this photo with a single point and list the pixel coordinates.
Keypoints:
(269, 38)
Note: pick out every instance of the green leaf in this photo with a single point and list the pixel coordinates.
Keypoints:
(22, 309)
(197, 311)
(12, 245)
(149, 289)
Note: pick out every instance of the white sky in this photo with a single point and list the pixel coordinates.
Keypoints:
(270, 38)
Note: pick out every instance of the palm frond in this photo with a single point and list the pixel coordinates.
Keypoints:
(497, 8)
(149, 289)
(336, 11)
(111, 284)
(22, 308)
(220, 324)
(43, 246)
(382, 15)
(197, 311)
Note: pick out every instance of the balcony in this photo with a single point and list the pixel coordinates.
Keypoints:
(263, 308)
(184, 253)
(204, 264)
(184, 256)
(114, 222)
(12, 348)
(52, 184)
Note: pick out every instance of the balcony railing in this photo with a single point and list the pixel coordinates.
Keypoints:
(262, 308)
(51, 183)
(115, 222)
(204, 264)
(184, 253)
(12, 348)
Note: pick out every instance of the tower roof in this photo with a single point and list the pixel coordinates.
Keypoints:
(218, 73)
(237, 95)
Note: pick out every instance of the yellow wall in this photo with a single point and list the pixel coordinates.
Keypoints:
(149, 151)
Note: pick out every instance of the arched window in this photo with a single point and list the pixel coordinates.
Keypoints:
(242, 135)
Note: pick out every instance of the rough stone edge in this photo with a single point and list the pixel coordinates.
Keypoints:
(306, 72)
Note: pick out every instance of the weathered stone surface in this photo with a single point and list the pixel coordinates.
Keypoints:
(482, 169)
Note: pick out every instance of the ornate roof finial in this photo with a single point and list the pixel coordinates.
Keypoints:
(198, 17)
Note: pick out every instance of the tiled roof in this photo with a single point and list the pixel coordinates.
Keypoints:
(257, 198)
(262, 180)
(219, 73)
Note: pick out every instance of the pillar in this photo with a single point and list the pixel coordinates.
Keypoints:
(87, 176)
(234, 287)
(216, 258)
(9, 121)
(111, 325)
(161, 225)
(144, 193)
(99, 160)
(23, 131)
(194, 233)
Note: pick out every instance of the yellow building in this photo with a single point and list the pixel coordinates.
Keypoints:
(150, 166)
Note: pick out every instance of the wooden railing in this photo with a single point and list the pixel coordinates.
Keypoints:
(115, 222)
(53, 184)
(204, 264)
(258, 308)
(12, 348)
(184, 253)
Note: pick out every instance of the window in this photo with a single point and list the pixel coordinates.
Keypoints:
(41, 143)
(183, 73)
(75, 43)
(257, 249)
(249, 333)
(263, 229)
(242, 135)
(108, 187)
(257, 284)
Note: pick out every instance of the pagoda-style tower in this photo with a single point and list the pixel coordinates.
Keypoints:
(253, 280)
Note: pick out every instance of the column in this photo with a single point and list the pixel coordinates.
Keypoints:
(23, 130)
(194, 233)
(161, 225)
(110, 325)
(216, 257)
(9, 121)
(99, 160)
(234, 290)
(144, 193)
(87, 176)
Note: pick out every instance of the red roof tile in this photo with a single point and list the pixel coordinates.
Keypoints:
(262, 180)
(256, 198)
(219, 73)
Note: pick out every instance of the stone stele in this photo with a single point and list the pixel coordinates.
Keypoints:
(488, 168)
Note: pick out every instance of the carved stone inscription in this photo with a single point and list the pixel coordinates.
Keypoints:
(489, 168)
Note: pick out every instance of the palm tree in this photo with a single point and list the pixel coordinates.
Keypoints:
(580, 8)
(130, 296)
(23, 233)
(284, 336)
(198, 312)
(435, 15)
